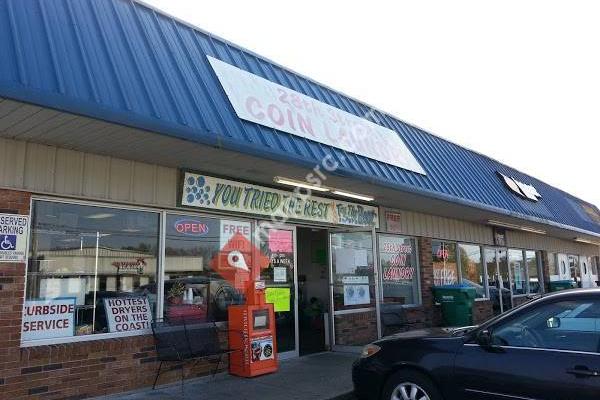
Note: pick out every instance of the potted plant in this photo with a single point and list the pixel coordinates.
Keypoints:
(175, 294)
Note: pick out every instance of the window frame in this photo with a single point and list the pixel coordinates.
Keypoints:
(483, 266)
(163, 239)
(159, 269)
(540, 270)
(162, 215)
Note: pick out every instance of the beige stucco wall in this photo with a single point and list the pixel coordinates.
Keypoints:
(51, 170)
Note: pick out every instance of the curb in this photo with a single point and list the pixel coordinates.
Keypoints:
(345, 396)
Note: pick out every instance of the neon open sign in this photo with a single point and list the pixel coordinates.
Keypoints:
(191, 227)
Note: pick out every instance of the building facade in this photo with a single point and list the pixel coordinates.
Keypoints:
(160, 167)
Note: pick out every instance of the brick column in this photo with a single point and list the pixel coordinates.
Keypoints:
(431, 312)
(12, 291)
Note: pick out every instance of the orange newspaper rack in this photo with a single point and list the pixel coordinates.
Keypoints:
(252, 331)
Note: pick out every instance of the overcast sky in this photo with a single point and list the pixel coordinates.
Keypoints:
(516, 80)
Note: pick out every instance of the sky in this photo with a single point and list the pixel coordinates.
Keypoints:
(518, 81)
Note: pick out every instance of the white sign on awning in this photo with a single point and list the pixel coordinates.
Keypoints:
(203, 191)
(266, 103)
(14, 233)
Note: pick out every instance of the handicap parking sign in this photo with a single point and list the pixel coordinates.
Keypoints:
(14, 233)
(9, 242)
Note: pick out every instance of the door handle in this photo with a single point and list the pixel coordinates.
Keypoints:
(583, 372)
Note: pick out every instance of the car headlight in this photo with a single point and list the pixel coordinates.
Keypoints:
(369, 350)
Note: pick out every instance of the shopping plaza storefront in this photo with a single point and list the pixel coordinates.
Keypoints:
(149, 170)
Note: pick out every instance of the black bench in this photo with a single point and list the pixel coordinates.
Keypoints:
(182, 340)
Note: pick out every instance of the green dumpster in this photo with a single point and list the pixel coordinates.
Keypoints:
(555, 286)
(457, 303)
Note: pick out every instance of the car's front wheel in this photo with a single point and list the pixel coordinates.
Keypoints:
(410, 385)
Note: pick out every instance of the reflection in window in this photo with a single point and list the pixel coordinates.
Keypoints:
(553, 269)
(207, 266)
(471, 268)
(518, 271)
(83, 258)
(533, 271)
(399, 272)
(445, 270)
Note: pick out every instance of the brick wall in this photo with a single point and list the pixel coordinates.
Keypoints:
(355, 329)
(12, 290)
(432, 315)
(67, 371)
(482, 311)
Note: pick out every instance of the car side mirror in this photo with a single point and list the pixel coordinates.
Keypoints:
(484, 338)
(553, 322)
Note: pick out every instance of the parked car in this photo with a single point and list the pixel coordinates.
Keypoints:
(548, 348)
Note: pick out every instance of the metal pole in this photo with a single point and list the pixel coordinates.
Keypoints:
(95, 282)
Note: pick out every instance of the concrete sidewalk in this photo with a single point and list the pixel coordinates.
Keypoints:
(316, 377)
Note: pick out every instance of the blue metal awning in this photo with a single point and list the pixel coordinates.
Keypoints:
(124, 62)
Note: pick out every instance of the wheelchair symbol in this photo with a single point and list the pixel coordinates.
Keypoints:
(9, 242)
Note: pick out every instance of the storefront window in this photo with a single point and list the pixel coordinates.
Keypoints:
(533, 271)
(445, 270)
(518, 271)
(399, 272)
(91, 270)
(471, 268)
(353, 270)
(208, 262)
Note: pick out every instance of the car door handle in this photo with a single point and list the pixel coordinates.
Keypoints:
(583, 371)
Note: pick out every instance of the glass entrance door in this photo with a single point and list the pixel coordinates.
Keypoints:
(353, 287)
(499, 282)
(279, 245)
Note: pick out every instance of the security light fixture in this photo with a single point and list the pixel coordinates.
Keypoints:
(305, 185)
(584, 240)
(516, 227)
(296, 183)
(357, 196)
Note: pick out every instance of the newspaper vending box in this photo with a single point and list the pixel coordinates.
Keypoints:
(252, 331)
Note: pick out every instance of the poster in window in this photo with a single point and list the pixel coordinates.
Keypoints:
(45, 319)
(355, 295)
(399, 274)
(128, 314)
(445, 268)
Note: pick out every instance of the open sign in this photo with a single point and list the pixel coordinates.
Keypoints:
(191, 227)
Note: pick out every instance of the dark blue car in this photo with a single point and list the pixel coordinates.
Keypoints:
(548, 348)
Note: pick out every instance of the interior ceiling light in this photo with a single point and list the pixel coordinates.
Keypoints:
(293, 182)
(584, 240)
(515, 226)
(357, 196)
